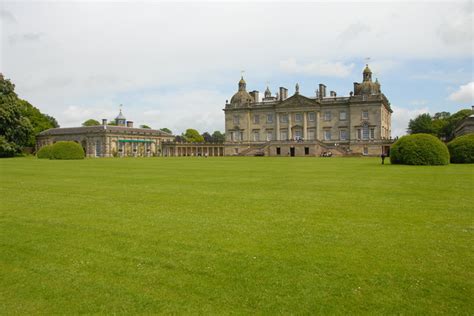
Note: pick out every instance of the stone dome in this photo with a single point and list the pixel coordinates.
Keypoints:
(367, 87)
(241, 97)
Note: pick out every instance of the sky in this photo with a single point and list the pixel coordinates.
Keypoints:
(174, 64)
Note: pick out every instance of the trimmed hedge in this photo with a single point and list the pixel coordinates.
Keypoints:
(419, 149)
(67, 150)
(61, 150)
(461, 149)
(45, 152)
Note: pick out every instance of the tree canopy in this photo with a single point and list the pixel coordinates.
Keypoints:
(145, 126)
(218, 137)
(91, 122)
(193, 136)
(166, 130)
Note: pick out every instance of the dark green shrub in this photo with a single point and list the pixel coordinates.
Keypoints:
(461, 149)
(67, 150)
(45, 152)
(7, 149)
(419, 149)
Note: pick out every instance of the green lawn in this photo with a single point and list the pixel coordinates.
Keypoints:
(235, 235)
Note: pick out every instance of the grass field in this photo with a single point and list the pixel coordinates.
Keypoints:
(235, 235)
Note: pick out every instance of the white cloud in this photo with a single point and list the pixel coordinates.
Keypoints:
(319, 68)
(401, 117)
(92, 55)
(465, 94)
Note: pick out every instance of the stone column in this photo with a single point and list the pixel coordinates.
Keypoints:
(277, 126)
(318, 117)
(289, 126)
(248, 125)
(305, 127)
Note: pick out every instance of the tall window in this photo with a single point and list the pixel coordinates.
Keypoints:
(311, 116)
(269, 135)
(298, 135)
(372, 133)
(343, 134)
(284, 135)
(256, 136)
(366, 151)
(236, 120)
(256, 119)
(365, 115)
(284, 118)
(327, 134)
(311, 134)
(298, 117)
(342, 116)
(359, 133)
(327, 115)
(365, 132)
(270, 118)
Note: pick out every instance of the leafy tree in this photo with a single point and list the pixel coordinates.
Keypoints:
(218, 137)
(145, 126)
(179, 139)
(166, 130)
(38, 120)
(423, 123)
(15, 127)
(207, 137)
(91, 122)
(193, 136)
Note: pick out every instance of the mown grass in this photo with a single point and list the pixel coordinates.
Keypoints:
(235, 235)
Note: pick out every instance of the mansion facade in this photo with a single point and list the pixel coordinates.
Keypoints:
(358, 124)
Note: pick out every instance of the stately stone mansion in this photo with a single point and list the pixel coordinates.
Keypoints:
(358, 124)
(276, 125)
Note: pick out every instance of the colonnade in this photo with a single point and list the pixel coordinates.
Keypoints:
(192, 150)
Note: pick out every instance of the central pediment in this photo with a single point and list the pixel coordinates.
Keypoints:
(296, 100)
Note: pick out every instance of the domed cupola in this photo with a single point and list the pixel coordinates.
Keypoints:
(268, 93)
(367, 73)
(120, 119)
(367, 86)
(242, 97)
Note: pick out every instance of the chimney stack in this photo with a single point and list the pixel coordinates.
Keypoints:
(255, 95)
(322, 91)
(332, 93)
(104, 122)
(283, 93)
(130, 124)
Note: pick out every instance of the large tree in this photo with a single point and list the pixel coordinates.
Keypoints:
(218, 137)
(145, 126)
(207, 137)
(423, 123)
(15, 127)
(193, 136)
(90, 122)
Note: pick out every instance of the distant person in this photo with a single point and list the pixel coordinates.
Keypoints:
(383, 158)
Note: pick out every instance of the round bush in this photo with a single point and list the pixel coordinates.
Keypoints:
(419, 149)
(67, 150)
(44, 152)
(461, 149)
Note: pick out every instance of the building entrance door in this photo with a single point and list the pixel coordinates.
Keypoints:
(292, 151)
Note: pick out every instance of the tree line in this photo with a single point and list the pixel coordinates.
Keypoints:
(441, 124)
